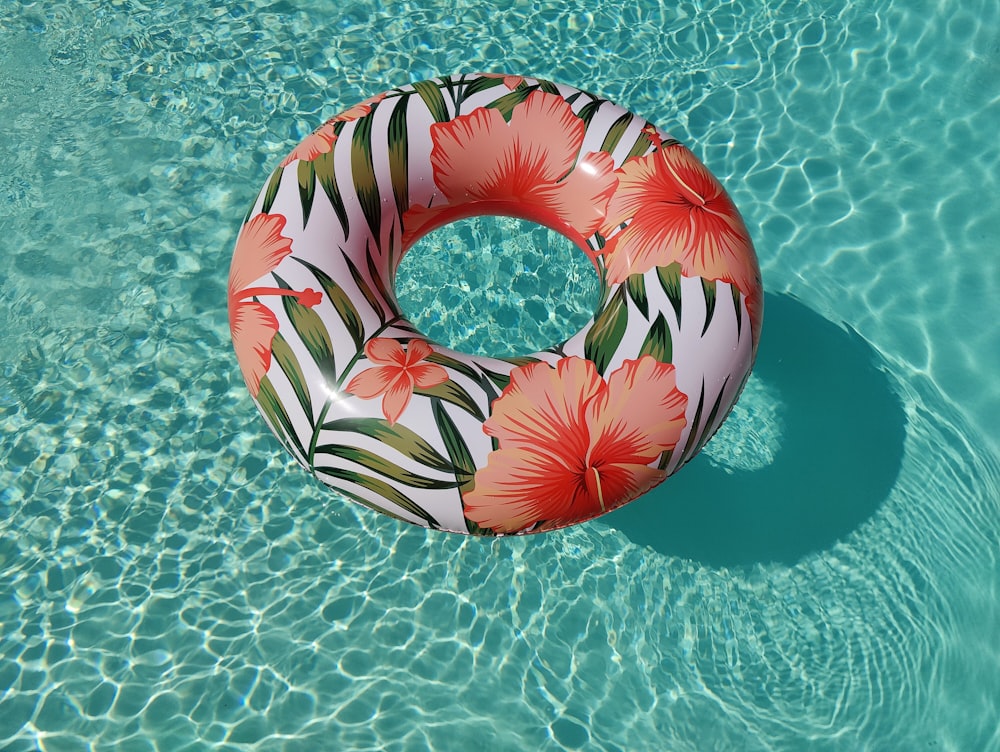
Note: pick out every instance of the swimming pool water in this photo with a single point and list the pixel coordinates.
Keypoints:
(169, 580)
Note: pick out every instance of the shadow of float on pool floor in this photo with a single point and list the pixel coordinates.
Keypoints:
(839, 455)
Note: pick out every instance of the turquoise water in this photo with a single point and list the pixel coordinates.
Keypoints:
(824, 577)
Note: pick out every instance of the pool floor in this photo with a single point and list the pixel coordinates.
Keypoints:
(823, 577)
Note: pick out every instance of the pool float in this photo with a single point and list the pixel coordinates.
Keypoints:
(492, 445)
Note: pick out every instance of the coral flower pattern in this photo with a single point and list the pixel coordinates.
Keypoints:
(321, 140)
(676, 211)
(395, 374)
(530, 162)
(511, 82)
(572, 445)
(259, 250)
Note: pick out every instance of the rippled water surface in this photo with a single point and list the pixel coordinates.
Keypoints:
(824, 577)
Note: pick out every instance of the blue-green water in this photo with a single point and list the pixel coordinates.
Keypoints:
(170, 580)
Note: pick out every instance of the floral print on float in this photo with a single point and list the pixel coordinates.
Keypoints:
(676, 210)
(321, 140)
(511, 82)
(573, 445)
(530, 162)
(492, 445)
(396, 373)
(259, 250)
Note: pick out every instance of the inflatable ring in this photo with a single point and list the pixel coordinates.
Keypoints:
(486, 445)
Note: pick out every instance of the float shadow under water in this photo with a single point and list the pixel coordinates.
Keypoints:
(840, 451)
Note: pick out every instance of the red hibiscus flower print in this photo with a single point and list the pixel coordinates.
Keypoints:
(528, 166)
(676, 211)
(259, 250)
(572, 445)
(395, 374)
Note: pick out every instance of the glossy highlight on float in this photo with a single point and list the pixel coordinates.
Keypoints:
(492, 445)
